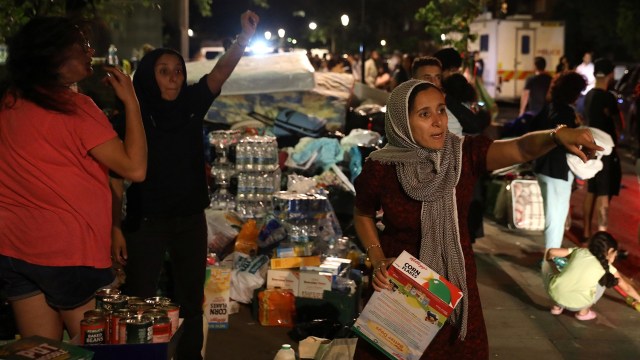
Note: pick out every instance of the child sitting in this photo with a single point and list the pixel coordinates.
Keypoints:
(580, 283)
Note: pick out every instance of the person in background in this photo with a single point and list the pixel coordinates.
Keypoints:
(165, 213)
(582, 280)
(563, 65)
(383, 80)
(402, 72)
(478, 66)
(55, 205)
(535, 90)
(429, 68)
(422, 180)
(601, 112)
(371, 67)
(552, 170)
(585, 69)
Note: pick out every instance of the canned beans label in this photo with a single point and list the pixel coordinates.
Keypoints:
(92, 331)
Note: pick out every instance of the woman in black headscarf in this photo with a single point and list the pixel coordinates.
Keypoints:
(423, 180)
(165, 213)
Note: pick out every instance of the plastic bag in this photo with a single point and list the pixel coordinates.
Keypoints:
(276, 307)
(220, 229)
(248, 274)
(247, 240)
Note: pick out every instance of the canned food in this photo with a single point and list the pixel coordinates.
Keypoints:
(114, 302)
(96, 313)
(102, 293)
(133, 299)
(139, 307)
(114, 324)
(155, 312)
(92, 330)
(158, 300)
(161, 329)
(138, 330)
(173, 312)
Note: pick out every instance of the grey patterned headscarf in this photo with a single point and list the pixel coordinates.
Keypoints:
(429, 176)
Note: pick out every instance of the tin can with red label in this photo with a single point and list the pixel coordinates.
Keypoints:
(102, 293)
(173, 312)
(158, 300)
(139, 329)
(161, 329)
(140, 307)
(95, 313)
(114, 324)
(114, 302)
(92, 330)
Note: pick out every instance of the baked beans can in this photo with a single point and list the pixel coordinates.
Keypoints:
(133, 299)
(155, 312)
(93, 330)
(158, 300)
(102, 293)
(114, 324)
(114, 302)
(140, 307)
(95, 313)
(173, 312)
(139, 329)
(161, 329)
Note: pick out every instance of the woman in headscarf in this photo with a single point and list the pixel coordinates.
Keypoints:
(165, 213)
(423, 181)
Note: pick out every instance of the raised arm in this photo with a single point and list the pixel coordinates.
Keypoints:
(225, 65)
(129, 159)
(503, 153)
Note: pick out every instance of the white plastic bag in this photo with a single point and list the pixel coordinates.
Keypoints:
(248, 274)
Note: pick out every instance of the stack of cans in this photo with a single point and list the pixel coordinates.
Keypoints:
(119, 319)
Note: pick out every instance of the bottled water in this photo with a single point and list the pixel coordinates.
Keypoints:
(285, 353)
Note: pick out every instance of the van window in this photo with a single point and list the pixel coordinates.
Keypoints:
(484, 42)
(525, 44)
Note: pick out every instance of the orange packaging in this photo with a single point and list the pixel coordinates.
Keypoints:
(277, 307)
(247, 239)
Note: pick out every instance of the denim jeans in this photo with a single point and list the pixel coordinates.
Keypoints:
(556, 194)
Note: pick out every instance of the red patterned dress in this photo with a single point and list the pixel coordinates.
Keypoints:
(378, 187)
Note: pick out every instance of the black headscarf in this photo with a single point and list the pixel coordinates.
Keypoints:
(162, 113)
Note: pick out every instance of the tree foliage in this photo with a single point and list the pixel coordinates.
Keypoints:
(627, 25)
(451, 18)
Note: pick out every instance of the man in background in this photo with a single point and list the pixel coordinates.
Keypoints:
(532, 99)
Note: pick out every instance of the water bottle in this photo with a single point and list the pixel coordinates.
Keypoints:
(285, 353)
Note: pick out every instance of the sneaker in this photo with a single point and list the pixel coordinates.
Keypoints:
(588, 316)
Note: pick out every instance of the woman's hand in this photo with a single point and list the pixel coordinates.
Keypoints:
(579, 142)
(380, 276)
(249, 21)
(121, 84)
(118, 246)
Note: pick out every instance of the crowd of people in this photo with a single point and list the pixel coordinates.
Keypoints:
(57, 149)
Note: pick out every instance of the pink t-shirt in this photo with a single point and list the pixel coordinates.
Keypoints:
(55, 202)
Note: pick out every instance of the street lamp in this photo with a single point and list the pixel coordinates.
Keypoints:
(281, 33)
(344, 19)
(313, 25)
(383, 42)
(267, 35)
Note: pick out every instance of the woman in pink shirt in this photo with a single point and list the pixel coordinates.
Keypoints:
(55, 203)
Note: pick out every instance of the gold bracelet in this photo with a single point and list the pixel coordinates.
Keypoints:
(554, 134)
(371, 246)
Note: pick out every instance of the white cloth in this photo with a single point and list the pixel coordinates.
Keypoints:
(586, 70)
(589, 169)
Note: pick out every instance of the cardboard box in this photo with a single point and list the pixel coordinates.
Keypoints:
(284, 279)
(403, 321)
(37, 347)
(313, 285)
(216, 296)
(295, 262)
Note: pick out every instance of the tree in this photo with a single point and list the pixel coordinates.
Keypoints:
(450, 18)
(627, 24)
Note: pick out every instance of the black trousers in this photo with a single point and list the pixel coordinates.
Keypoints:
(185, 239)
